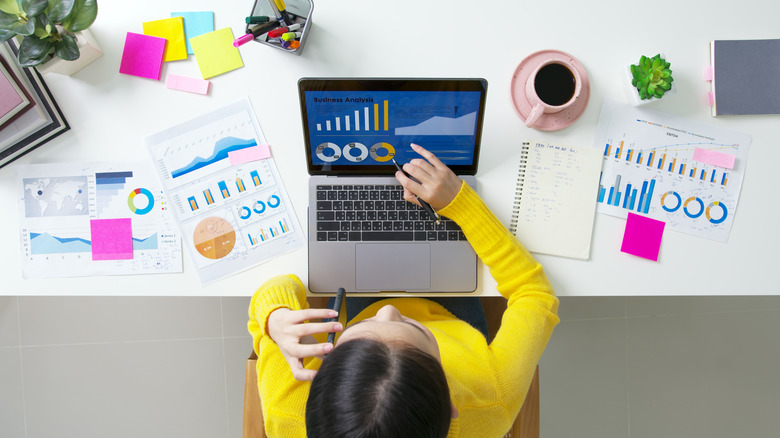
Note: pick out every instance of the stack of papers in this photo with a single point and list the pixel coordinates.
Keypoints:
(29, 116)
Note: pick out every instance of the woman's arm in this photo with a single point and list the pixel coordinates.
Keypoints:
(278, 320)
(532, 307)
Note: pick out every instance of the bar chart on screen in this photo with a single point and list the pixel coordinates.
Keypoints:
(650, 168)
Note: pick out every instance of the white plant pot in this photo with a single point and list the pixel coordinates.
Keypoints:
(89, 50)
(633, 94)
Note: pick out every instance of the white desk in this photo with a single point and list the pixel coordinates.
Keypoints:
(110, 114)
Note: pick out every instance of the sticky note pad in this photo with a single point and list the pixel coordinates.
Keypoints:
(112, 239)
(195, 24)
(254, 153)
(184, 83)
(142, 56)
(215, 53)
(642, 236)
(714, 158)
(172, 29)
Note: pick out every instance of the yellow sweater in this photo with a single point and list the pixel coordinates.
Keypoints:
(487, 383)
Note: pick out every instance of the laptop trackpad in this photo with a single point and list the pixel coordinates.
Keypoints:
(392, 266)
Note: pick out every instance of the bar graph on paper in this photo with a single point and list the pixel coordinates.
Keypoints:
(648, 169)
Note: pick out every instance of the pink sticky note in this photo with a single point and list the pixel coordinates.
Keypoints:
(184, 83)
(708, 74)
(711, 98)
(142, 56)
(259, 152)
(714, 158)
(642, 236)
(112, 239)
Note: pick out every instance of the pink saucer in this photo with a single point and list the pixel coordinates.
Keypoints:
(554, 121)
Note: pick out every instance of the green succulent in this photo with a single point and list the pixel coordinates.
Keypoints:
(46, 27)
(651, 77)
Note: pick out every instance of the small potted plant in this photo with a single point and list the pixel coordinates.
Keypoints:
(53, 33)
(651, 79)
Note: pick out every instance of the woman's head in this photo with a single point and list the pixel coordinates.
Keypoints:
(383, 379)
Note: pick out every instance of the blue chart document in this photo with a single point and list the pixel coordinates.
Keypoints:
(373, 127)
(233, 214)
(60, 203)
(649, 168)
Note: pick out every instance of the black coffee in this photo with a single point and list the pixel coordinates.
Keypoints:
(554, 84)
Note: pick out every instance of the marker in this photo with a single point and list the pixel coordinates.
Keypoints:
(280, 10)
(257, 19)
(289, 36)
(254, 32)
(426, 206)
(337, 307)
(282, 30)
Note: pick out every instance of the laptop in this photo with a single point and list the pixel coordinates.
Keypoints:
(363, 236)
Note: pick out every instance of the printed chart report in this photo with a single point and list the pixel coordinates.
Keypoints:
(233, 214)
(649, 169)
(95, 219)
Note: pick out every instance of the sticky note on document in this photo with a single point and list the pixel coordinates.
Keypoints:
(172, 29)
(254, 153)
(112, 239)
(215, 53)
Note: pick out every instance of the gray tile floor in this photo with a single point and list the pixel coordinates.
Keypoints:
(165, 367)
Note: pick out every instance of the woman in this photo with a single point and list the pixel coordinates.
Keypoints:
(406, 367)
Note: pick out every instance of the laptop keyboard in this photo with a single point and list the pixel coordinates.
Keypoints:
(376, 213)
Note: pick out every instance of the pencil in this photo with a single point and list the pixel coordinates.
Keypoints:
(426, 206)
(337, 307)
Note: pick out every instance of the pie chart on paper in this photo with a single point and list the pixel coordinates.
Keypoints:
(214, 238)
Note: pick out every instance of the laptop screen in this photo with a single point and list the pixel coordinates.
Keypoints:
(357, 126)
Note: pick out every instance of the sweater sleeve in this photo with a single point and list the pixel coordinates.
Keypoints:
(532, 308)
(283, 291)
(282, 396)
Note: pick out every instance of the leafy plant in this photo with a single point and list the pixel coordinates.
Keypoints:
(651, 77)
(47, 27)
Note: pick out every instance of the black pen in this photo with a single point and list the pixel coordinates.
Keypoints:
(426, 206)
(337, 307)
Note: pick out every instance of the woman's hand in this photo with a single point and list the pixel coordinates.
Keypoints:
(438, 184)
(289, 329)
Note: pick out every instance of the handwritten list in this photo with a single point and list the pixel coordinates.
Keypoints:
(555, 199)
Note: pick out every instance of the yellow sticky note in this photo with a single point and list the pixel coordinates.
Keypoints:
(172, 29)
(215, 53)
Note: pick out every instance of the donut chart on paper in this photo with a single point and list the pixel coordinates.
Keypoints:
(688, 212)
(131, 201)
(668, 208)
(723, 216)
(214, 238)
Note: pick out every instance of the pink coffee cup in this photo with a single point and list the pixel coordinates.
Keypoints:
(552, 87)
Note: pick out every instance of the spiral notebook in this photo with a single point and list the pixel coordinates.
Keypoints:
(555, 198)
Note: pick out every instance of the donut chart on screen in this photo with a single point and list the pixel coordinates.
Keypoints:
(386, 156)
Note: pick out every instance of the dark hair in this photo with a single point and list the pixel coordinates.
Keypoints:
(371, 389)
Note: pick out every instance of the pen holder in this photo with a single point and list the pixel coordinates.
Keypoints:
(299, 13)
